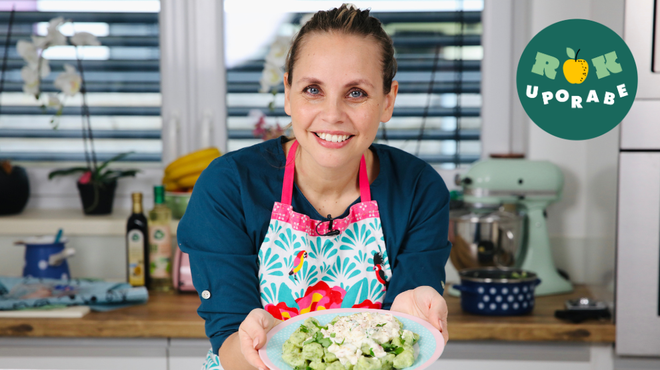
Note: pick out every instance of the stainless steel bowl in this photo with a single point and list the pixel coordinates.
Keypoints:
(485, 237)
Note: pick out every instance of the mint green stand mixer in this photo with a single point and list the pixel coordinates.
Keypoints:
(532, 186)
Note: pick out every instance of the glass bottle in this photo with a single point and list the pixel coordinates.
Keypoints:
(137, 245)
(160, 243)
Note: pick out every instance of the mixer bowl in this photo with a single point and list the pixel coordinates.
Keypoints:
(485, 237)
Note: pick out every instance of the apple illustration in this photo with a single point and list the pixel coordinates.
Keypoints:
(575, 70)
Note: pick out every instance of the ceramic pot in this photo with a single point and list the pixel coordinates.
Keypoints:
(97, 198)
(497, 291)
(14, 191)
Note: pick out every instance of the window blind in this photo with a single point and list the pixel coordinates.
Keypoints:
(122, 77)
(437, 111)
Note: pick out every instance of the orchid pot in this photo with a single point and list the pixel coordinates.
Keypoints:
(97, 184)
(97, 197)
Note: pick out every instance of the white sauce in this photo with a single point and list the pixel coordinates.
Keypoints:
(351, 332)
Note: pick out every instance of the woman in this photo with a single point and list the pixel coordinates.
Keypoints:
(260, 248)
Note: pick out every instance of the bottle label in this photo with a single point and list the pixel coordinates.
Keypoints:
(135, 251)
(160, 252)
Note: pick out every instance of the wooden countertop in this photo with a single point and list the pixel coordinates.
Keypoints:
(175, 316)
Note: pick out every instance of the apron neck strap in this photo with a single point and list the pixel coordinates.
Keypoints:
(289, 172)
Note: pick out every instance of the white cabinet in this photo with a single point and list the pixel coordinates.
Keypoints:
(189, 354)
(88, 354)
(102, 354)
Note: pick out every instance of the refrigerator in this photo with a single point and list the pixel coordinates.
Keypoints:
(637, 309)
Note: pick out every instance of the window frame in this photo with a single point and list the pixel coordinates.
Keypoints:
(193, 88)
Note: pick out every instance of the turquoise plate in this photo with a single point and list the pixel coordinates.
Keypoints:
(431, 343)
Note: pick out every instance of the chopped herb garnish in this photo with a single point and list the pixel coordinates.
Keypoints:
(380, 325)
(304, 329)
(319, 326)
(371, 352)
(388, 347)
(398, 350)
(342, 342)
(332, 335)
(325, 342)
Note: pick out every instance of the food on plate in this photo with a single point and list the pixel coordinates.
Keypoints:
(362, 341)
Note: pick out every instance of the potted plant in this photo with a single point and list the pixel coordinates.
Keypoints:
(97, 185)
(14, 189)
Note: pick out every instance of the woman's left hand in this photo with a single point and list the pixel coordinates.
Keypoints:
(426, 303)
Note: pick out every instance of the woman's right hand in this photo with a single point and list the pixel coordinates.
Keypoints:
(252, 335)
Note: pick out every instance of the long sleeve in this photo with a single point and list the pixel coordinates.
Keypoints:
(423, 248)
(223, 257)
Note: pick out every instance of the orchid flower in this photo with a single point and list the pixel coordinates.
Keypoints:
(27, 51)
(54, 101)
(54, 36)
(30, 74)
(31, 88)
(31, 77)
(278, 51)
(68, 81)
(270, 77)
(84, 39)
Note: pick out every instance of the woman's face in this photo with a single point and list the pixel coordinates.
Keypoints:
(336, 99)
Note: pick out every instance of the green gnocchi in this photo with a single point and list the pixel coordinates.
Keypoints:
(362, 341)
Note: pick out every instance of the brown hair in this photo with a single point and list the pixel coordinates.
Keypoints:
(350, 21)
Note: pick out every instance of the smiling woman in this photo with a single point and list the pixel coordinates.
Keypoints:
(386, 246)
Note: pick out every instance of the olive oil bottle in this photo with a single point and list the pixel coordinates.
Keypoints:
(160, 243)
(137, 245)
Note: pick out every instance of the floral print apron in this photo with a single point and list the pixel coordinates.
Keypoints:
(308, 265)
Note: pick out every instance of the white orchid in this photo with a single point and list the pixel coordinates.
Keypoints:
(54, 36)
(54, 101)
(84, 38)
(270, 77)
(68, 81)
(55, 23)
(30, 74)
(27, 51)
(35, 70)
(31, 88)
(278, 51)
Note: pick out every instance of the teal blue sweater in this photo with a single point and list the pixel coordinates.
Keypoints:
(229, 212)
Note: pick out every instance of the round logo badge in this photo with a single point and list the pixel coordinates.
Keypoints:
(576, 79)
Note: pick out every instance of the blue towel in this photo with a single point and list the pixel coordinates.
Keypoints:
(28, 292)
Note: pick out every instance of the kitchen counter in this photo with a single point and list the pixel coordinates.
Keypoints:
(175, 316)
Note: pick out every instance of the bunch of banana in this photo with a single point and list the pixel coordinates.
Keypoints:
(184, 171)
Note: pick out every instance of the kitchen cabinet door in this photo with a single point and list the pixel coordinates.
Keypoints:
(88, 354)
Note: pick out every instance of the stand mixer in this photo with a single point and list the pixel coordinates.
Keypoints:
(532, 185)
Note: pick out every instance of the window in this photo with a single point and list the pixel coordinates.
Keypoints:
(122, 77)
(439, 52)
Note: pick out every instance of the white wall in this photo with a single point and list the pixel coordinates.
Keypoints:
(583, 224)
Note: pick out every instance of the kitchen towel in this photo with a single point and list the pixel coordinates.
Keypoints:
(27, 292)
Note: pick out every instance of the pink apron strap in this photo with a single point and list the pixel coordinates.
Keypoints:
(365, 191)
(289, 173)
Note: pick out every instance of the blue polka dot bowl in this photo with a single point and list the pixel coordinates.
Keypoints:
(427, 350)
(497, 291)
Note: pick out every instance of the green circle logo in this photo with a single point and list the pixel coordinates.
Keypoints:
(576, 79)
